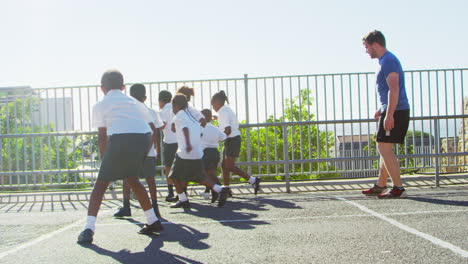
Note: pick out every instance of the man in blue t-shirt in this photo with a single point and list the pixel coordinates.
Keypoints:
(393, 114)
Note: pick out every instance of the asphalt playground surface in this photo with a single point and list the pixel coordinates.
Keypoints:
(430, 226)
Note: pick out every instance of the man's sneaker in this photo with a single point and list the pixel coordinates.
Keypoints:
(86, 237)
(180, 204)
(172, 198)
(206, 195)
(394, 193)
(223, 195)
(256, 185)
(375, 190)
(123, 211)
(214, 196)
(155, 227)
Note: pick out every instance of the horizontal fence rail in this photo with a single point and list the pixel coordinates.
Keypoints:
(302, 127)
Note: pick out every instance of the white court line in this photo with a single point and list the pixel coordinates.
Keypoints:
(46, 236)
(281, 219)
(406, 228)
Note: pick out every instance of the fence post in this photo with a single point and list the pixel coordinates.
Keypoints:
(437, 148)
(247, 121)
(286, 158)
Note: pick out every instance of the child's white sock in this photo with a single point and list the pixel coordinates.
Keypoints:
(90, 222)
(182, 197)
(150, 216)
(252, 180)
(217, 188)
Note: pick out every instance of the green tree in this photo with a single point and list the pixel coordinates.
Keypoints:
(32, 153)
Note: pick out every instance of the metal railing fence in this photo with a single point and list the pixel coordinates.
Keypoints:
(301, 127)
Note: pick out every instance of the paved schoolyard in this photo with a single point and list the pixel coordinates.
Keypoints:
(431, 226)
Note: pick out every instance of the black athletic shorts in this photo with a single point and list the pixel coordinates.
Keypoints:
(398, 133)
(169, 153)
(210, 158)
(232, 147)
(187, 170)
(149, 167)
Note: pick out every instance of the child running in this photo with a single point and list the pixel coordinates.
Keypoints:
(189, 92)
(169, 140)
(211, 136)
(138, 91)
(228, 123)
(124, 137)
(188, 164)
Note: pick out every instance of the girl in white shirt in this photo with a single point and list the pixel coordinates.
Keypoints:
(211, 136)
(188, 164)
(227, 122)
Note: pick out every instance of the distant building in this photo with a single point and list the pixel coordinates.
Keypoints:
(56, 112)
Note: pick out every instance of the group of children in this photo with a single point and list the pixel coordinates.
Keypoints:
(129, 142)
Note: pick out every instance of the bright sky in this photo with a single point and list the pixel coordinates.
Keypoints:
(69, 42)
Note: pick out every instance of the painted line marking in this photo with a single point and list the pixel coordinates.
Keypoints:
(46, 236)
(281, 219)
(406, 228)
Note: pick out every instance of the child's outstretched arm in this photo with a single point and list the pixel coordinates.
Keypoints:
(185, 130)
(102, 140)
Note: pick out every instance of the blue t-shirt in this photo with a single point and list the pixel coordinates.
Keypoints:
(389, 63)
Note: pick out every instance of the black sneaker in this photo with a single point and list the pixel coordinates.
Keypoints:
(170, 198)
(86, 237)
(123, 211)
(223, 195)
(214, 196)
(256, 185)
(375, 190)
(155, 227)
(180, 204)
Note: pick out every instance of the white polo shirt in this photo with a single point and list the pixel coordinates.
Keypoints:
(195, 113)
(183, 120)
(211, 136)
(121, 114)
(167, 115)
(157, 123)
(226, 118)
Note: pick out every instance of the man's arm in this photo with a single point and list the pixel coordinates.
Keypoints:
(102, 141)
(393, 95)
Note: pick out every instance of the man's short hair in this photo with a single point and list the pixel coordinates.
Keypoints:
(165, 96)
(375, 37)
(138, 91)
(112, 79)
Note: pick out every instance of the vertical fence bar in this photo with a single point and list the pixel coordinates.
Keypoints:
(247, 121)
(437, 161)
(286, 159)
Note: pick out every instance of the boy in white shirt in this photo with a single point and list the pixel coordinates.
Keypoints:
(169, 140)
(124, 138)
(227, 121)
(211, 136)
(138, 91)
(188, 164)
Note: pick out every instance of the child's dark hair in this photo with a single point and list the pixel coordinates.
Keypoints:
(138, 91)
(207, 113)
(181, 101)
(112, 79)
(187, 91)
(221, 95)
(165, 96)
